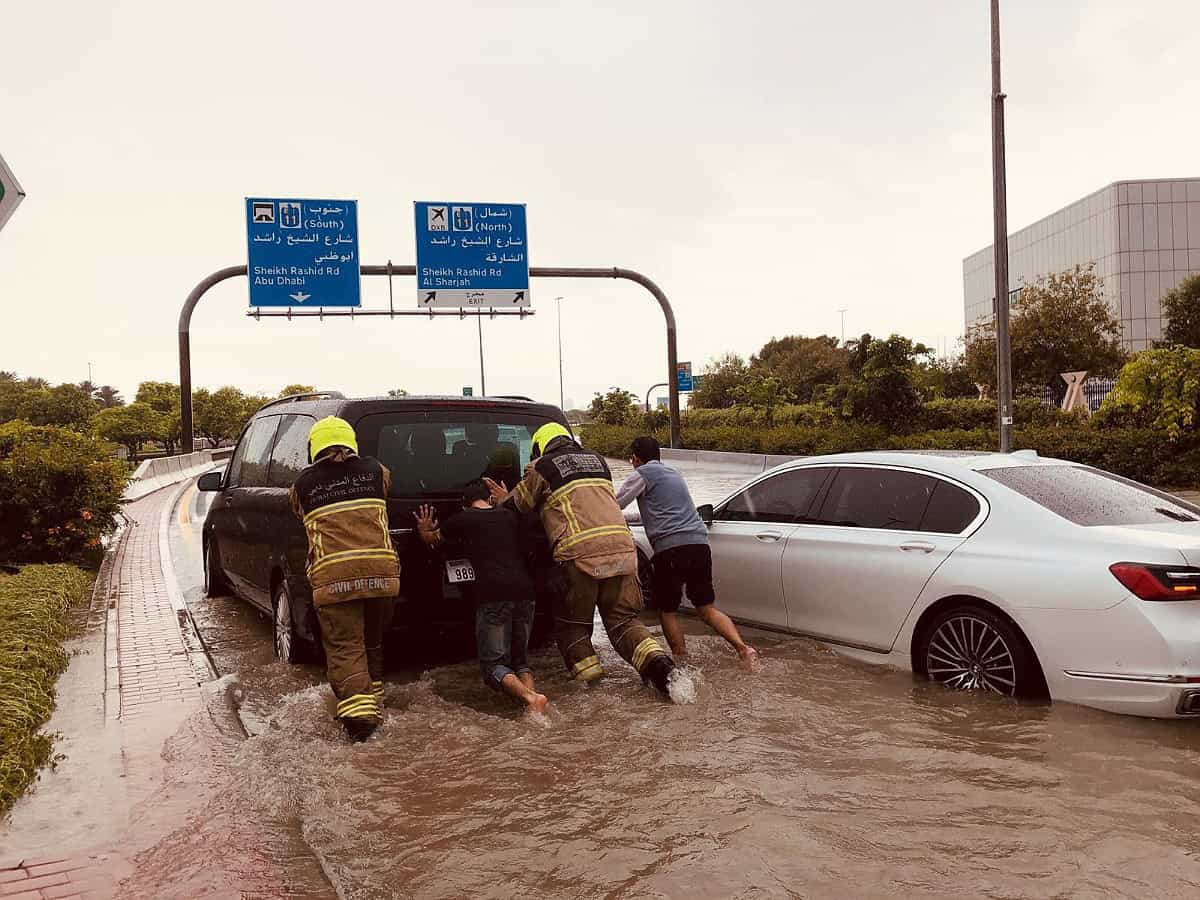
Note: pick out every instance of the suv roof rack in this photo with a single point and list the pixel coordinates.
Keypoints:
(511, 397)
(312, 395)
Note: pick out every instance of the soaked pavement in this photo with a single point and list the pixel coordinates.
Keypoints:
(817, 776)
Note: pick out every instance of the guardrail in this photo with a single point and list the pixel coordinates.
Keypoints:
(163, 471)
(752, 462)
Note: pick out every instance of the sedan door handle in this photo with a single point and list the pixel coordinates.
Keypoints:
(914, 546)
(768, 537)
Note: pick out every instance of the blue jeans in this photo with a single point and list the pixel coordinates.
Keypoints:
(502, 638)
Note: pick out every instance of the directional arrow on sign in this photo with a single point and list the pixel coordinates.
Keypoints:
(430, 297)
(520, 296)
(299, 297)
(11, 194)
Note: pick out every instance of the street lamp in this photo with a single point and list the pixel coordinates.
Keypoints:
(1000, 243)
(558, 307)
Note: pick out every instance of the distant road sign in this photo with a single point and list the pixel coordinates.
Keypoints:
(11, 194)
(683, 376)
(472, 254)
(302, 252)
(662, 402)
(468, 392)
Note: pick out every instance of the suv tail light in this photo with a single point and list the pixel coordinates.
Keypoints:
(1158, 582)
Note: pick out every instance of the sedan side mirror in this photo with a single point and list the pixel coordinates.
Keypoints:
(209, 481)
(706, 513)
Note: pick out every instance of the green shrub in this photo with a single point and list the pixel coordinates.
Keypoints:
(59, 494)
(35, 618)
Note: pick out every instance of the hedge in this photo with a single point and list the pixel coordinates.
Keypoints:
(36, 607)
(60, 493)
(1141, 454)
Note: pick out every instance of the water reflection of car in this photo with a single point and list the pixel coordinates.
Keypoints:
(255, 547)
(1013, 574)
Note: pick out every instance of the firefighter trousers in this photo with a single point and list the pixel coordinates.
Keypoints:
(352, 634)
(619, 600)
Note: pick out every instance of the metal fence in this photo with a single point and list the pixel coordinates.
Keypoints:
(1094, 391)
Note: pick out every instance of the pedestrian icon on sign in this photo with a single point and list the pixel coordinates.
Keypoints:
(289, 215)
(264, 213)
(463, 218)
(437, 219)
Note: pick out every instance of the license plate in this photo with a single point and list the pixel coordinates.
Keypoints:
(459, 570)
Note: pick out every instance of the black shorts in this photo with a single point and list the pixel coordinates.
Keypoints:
(689, 566)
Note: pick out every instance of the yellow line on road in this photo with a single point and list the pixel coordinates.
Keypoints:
(185, 505)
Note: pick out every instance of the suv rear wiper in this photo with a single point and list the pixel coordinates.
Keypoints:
(1177, 516)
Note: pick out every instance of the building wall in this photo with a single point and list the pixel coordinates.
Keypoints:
(1144, 237)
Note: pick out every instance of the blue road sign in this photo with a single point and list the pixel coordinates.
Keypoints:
(302, 252)
(471, 254)
(683, 376)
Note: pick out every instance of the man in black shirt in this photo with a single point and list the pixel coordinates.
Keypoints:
(490, 540)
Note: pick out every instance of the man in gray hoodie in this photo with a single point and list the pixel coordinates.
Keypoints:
(682, 558)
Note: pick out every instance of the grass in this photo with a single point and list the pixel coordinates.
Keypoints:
(37, 607)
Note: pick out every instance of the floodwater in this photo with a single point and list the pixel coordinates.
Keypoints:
(814, 777)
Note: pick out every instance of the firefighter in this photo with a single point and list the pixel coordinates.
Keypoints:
(352, 567)
(571, 488)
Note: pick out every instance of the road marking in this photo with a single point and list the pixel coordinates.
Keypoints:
(185, 505)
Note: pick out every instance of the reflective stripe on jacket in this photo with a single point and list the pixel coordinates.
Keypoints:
(343, 505)
(572, 490)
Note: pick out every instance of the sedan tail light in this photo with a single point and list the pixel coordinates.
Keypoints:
(1158, 582)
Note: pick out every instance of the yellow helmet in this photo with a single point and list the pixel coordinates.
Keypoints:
(330, 432)
(544, 435)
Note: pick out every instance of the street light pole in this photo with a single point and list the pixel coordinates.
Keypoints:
(1004, 389)
(843, 312)
(558, 306)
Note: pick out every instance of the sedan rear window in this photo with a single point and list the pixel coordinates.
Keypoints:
(1088, 496)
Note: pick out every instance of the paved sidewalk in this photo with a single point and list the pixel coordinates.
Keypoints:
(52, 878)
(152, 661)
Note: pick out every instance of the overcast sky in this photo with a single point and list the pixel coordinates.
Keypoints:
(766, 163)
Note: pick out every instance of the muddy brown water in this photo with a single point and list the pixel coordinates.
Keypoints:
(815, 777)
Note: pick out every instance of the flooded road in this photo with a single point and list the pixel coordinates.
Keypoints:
(817, 776)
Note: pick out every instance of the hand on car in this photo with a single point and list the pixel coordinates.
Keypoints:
(499, 490)
(427, 526)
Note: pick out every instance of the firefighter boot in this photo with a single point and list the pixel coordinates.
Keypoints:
(658, 671)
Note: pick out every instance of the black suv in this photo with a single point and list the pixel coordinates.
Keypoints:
(255, 546)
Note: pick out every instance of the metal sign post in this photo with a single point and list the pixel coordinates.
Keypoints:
(1004, 389)
(11, 194)
(189, 305)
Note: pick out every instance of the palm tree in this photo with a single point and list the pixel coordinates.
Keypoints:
(7, 376)
(108, 396)
(88, 388)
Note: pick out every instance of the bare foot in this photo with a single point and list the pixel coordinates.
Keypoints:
(538, 703)
(526, 678)
(749, 658)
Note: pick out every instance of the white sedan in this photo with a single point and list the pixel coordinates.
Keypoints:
(1015, 574)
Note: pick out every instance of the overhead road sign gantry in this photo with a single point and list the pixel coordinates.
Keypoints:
(471, 254)
(302, 253)
(11, 194)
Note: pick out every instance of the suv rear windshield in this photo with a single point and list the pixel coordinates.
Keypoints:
(440, 452)
(1091, 497)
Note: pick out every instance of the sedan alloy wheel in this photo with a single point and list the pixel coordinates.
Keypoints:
(971, 653)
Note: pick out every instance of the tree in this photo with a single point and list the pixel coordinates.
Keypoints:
(802, 364)
(293, 389)
(880, 382)
(88, 387)
(764, 392)
(1157, 389)
(947, 378)
(219, 415)
(1060, 323)
(108, 396)
(66, 405)
(721, 379)
(617, 407)
(161, 396)
(131, 426)
(1181, 308)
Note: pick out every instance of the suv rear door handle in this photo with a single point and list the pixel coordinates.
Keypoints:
(922, 546)
(768, 537)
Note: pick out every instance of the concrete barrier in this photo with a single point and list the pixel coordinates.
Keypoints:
(753, 463)
(163, 471)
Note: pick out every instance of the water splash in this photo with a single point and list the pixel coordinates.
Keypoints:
(682, 685)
